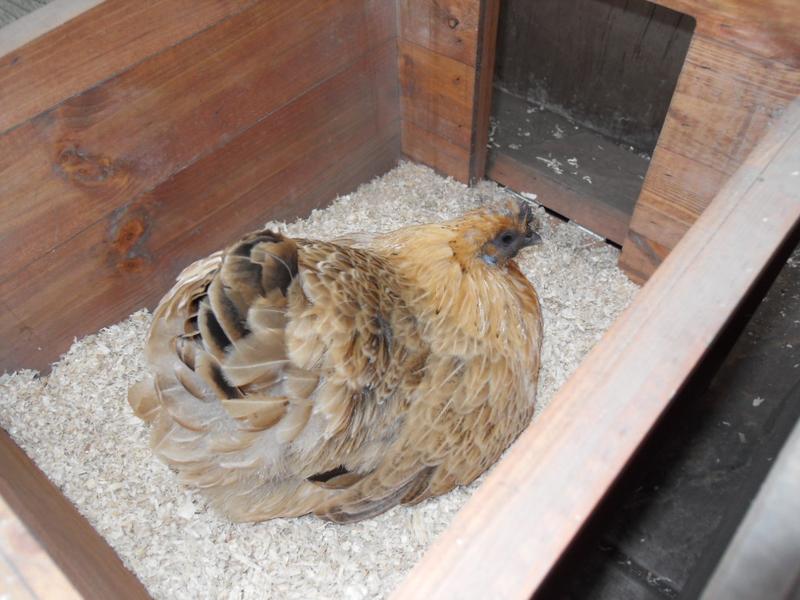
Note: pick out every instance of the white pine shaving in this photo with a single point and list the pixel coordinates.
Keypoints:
(553, 164)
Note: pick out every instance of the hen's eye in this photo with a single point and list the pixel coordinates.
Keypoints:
(507, 238)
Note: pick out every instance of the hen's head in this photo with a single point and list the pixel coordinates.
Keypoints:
(494, 234)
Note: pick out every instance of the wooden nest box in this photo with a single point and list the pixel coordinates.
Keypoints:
(137, 137)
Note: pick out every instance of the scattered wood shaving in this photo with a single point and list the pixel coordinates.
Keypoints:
(553, 164)
(76, 424)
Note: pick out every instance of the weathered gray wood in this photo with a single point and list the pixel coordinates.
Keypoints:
(763, 560)
(611, 64)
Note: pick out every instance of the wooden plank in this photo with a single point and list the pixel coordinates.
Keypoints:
(447, 27)
(767, 28)
(484, 79)
(425, 147)
(588, 211)
(343, 132)
(446, 64)
(437, 93)
(27, 564)
(763, 559)
(66, 168)
(101, 42)
(739, 76)
(81, 553)
(506, 539)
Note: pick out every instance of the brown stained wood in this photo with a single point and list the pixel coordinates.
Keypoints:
(78, 550)
(437, 93)
(66, 168)
(484, 78)
(767, 28)
(96, 45)
(506, 539)
(763, 559)
(25, 565)
(425, 147)
(587, 211)
(447, 27)
(326, 142)
(446, 53)
(725, 100)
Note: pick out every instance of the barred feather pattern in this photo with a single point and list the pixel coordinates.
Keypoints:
(293, 376)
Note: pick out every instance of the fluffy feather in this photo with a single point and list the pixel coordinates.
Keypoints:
(343, 378)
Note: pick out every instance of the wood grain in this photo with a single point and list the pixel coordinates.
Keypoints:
(511, 532)
(99, 44)
(325, 142)
(484, 80)
(447, 27)
(425, 147)
(26, 570)
(767, 28)
(446, 56)
(741, 72)
(68, 167)
(79, 551)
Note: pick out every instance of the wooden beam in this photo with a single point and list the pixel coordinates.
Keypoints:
(763, 559)
(81, 553)
(510, 534)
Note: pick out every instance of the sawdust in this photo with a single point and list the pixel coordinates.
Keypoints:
(76, 424)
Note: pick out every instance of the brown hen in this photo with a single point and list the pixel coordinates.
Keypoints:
(292, 376)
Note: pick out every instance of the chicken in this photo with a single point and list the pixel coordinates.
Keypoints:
(294, 376)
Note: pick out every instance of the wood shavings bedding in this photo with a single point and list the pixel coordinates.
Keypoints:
(77, 426)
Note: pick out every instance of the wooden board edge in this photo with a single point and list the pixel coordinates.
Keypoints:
(85, 558)
(484, 78)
